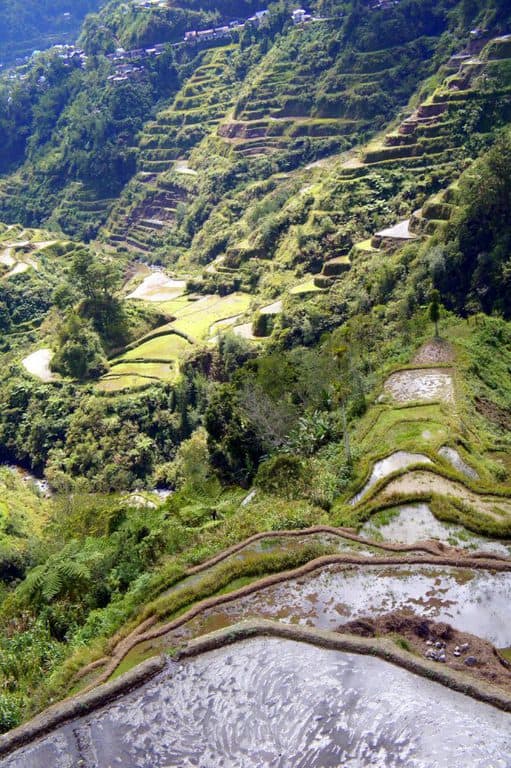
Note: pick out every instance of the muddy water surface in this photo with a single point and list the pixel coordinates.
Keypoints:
(454, 458)
(471, 601)
(388, 465)
(277, 543)
(416, 522)
(269, 703)
(421, 385)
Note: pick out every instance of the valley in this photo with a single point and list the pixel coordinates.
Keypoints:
(255, 431)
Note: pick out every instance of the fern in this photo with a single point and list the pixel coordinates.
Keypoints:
(52, 584)
(34, 581)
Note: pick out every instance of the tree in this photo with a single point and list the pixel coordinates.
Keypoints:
(79, 353)
(97, 281)
(434, 310)
(5, 317)
(477, 245)
(260, 324)
(233, 444)
(342, 391)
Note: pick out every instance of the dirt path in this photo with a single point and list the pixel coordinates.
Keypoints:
(245, 331)
(272, 309)
(182, 166)
(6, 257)
(18, 269)
(41, 244)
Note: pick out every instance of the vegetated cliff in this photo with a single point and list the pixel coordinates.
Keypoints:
(33, 25)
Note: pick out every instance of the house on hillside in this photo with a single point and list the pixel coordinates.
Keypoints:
(205, 34)
(383, 5)
(299, 16)
(258, 17)
(194, 36)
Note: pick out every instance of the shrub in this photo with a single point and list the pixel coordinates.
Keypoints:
(282, 475)
(10, 714)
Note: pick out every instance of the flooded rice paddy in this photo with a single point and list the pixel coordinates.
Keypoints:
(421, 385)
(388, 465)
(474, 601)
(454, 458)
(158, 287)
(270, 703)
(273, 544)
(415, 522)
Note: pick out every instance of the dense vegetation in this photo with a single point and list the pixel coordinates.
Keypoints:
(473, 266)
(255, 170)
(33, 25)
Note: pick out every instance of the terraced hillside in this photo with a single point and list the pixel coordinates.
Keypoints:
(363, 189)
(277, 435)
(430, 145)
(345, 196)
(305, 94)
(148, 209)
(420, 469)
(157, 356)
(80, 210)
(306, 98)
(420, 539)
(341, 201)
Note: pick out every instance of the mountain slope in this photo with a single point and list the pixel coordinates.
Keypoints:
(28, 26)
(286, 337)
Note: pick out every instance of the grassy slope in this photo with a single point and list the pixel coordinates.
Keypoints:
(480, 370)
(380, 432)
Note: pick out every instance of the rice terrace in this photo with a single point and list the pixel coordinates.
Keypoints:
(255, 334)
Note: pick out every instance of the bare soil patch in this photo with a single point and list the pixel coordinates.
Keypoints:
(494, 413)
(434, 351)
(476, 657)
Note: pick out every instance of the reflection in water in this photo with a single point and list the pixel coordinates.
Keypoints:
(416, 522)
(281, 704)
(472, 601)
(388, 465)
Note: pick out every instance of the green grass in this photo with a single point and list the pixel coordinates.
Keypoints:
(163, 371)
(307, 287)
(365, 246)
(154, 360)
(158, 358)
(170, 347)
(113, 384)
(195, 320)
(404, 428)
(23, 515)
